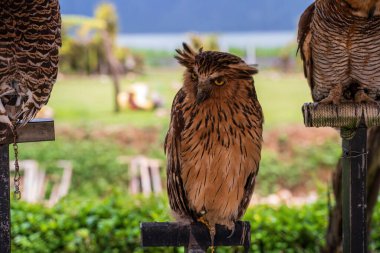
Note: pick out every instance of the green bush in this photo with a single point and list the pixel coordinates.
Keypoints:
(95, 165)
(97, 170)
(278, 173)
(112, 225)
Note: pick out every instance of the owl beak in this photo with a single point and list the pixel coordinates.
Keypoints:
(203, 92)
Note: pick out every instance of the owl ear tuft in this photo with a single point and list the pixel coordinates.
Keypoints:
(186, 56)
(253, 69)
(245, 68)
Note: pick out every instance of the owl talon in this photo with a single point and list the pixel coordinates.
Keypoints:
(232, 232)
(362, 97)
(211, 230)
(330, 100)
(334, 96)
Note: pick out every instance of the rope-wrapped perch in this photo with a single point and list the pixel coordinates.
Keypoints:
(345, 115)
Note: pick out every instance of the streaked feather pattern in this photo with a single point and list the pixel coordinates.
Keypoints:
(29, 43)
(341, 49)
(213, 145)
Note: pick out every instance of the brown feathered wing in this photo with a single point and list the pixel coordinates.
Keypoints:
(304, 42)
(177, 195)
(29, 43)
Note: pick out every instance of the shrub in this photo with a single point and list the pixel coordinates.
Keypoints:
(112, 225)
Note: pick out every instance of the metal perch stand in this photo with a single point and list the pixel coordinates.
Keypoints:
(36, 130)
(353, 121)
(195, 237)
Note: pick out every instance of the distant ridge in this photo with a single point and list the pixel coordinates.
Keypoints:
(176, 16)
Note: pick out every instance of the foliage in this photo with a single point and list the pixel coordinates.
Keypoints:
(107, 13)
(155, 57)
(109, 225)
(268, 52)
(277, 173)
(83, 50)
(207, 42)
(112, 225)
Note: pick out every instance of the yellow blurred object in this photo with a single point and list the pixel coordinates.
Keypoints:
(45, 112)
(122, 100)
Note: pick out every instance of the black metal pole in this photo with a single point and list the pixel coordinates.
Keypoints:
(354, 192)
(5, 220)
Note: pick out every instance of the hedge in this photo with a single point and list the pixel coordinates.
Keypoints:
(111, 225)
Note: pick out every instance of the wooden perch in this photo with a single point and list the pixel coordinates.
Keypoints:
(35, 130)
(194, 236)
(347, 115)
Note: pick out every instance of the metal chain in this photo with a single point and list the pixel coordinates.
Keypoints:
(17, 177)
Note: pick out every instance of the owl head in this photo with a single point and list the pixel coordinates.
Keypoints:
(214, 75)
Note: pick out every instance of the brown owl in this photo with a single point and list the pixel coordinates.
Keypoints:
(339, 42)
(213, 144)
(29, 43)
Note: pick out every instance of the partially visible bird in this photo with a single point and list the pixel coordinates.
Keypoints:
(213, 144)
(29, 43)
(339, 42)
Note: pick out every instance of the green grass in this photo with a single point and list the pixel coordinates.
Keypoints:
(89, 101)
(282, 97)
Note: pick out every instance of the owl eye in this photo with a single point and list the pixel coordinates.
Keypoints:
(219, 81)
(194, 76)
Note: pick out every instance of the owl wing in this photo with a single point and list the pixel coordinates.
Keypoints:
(251, 179)
(175, 187)
(29, 43)
(304, 42)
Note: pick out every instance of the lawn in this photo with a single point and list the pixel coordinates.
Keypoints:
(89, 100)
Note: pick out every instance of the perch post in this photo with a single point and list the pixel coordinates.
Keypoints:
(194, 237)
(35, 130)
(353, 121)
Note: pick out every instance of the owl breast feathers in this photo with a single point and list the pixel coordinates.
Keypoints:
(340, 46)
(214, 139)
(29, 43)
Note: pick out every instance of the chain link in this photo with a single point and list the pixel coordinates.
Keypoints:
(17, 177)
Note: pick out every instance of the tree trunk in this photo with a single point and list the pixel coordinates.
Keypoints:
(114, 66)
(334, 230)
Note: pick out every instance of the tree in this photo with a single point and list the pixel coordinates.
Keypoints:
(106, 12)
(105, 26)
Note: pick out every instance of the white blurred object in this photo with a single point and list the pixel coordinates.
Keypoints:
(284, 197)
(35, 182)
(144, 174)
(138, 97)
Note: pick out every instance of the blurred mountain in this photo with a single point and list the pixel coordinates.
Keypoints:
(166, 16)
